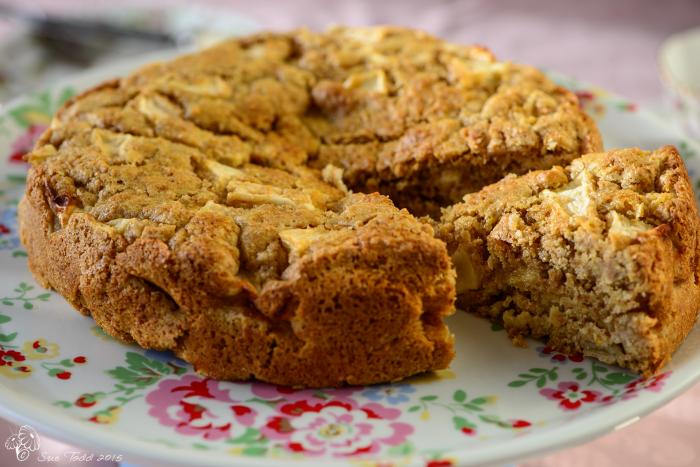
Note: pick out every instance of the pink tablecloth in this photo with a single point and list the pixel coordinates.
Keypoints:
(610, 43)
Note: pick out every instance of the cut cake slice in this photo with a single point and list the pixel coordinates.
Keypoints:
(598, 258)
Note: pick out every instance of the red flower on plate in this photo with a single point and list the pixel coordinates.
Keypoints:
(520, 424)
(558, 357)
(339, 428)
(654, 384)
(439, 463)
(10, 357)
(202, 407)
(24, 143)
(633, 388)
(570, 395)
(11, 364)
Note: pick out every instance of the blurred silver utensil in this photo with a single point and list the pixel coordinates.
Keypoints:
(82, 41)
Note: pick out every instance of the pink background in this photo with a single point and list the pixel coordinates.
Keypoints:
(612, 44)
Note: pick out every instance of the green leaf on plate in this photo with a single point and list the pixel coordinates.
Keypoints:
(130, 377)
(517, 383)
(7, 337)
(480, 400)
(459, 396)
(16, 178)
(254, 451)
(4, 318)
(250, 436)
(542, 381)
(461, 422)
(618, 378)
(473, 407)
(147, 366)
(403, 449)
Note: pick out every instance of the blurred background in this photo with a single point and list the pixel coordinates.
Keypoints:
(612, 44)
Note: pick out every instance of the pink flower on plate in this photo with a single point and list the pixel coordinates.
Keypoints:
(338, 428)
(570, 396)
(653, 384)
(632, 389)
(271, 392)
(558, 357)
(198, 406)
(24, 143)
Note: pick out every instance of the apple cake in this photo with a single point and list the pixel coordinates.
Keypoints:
(599, 258)
(237, 206)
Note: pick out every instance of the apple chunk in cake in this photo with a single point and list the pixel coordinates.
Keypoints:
(599, 257)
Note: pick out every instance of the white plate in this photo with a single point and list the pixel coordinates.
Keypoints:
(62, 376)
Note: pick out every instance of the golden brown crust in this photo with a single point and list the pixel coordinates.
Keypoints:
(600, 257)
(398, 111)
(361, 306)
(202, 206)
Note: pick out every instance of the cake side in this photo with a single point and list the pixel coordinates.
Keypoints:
(599, 257)
(347, 308)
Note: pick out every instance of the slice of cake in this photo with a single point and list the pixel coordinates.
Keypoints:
(599, 258)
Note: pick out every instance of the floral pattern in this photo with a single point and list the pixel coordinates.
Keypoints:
(338, 428)
(40, 349)
(200, 407)
(570, 395)
(272, 393)
(25, 143)
(12, 366)
(423, 420)
(554, 356)
(9, 240)
(393, 394)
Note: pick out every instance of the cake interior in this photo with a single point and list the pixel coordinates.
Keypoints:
(599, 258)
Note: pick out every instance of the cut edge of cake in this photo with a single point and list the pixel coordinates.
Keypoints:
(598, 258)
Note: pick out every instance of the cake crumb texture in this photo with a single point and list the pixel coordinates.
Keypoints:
(599, 257)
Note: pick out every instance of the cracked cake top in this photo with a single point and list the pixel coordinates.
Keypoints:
(381, 109)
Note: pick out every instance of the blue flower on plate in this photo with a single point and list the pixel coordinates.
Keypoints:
(164, 356)
(8, 228)
(393, 393)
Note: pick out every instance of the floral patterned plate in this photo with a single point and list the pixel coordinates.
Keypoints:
(63, 376)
